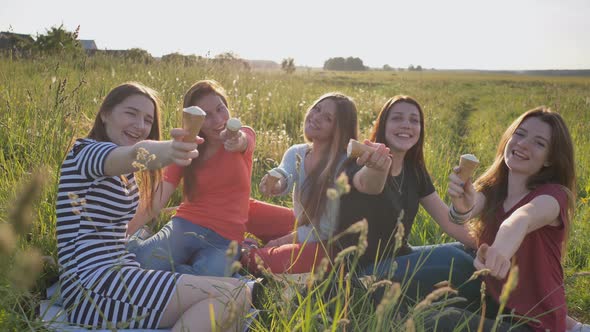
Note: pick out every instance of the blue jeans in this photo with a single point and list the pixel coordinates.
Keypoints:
(183, 247)
(425, 266)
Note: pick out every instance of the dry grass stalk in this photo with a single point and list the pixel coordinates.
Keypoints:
(21, 211)
(391, 296)
(482, 318)
(7, 239)
(509, 285)
(433, 296)
(410, 326)
(28, 265)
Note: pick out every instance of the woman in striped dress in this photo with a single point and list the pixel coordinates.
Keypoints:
(102, 284)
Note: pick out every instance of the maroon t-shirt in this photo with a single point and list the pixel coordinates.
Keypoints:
(540, 292)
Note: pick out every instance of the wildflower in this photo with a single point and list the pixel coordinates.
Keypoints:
(235, 267)
(342, 184)
(142, 159)
(332, 194)
(232, 249)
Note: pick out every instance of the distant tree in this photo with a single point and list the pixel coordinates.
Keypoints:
(139, 55)
(59, 40)
(288, 65)
(227, 56)
(340, 63)
(387, 67)
(417, 68)
(175, 57)
(231, 59)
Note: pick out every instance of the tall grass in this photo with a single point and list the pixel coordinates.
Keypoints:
(46, 103)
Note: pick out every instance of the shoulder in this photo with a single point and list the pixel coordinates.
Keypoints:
(87, 144)
(299, 149)
(303, 147)
(557, 191)
(248, 131)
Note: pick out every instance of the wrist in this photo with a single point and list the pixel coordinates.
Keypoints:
(462, 212)
(459, 217)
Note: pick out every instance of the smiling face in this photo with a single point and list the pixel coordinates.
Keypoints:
(130, 121)
(528, 148)
(402, 129)
(216, 118)
(320, 121)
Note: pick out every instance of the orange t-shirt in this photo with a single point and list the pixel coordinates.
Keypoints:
(222, 191)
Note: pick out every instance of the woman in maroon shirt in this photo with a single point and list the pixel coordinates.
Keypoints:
(523, 204)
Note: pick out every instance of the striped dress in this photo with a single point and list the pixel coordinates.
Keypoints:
(102, 285)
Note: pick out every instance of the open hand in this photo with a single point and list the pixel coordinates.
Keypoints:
(490, 258)
(379, 159)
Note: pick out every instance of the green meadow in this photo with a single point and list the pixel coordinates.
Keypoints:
(46, 103)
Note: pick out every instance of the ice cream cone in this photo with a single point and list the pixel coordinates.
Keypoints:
(467, 165)
(232, 127)
(272, 179)
(192, 120)
(356, 149)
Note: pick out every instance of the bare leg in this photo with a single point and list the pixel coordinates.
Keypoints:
(197, 298)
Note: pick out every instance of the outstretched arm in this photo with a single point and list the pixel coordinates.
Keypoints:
(122, 159)
(372, 177)
(541, 211)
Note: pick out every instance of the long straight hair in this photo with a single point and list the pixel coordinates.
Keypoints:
(313, 190)
(561, 169)
(191, 98)
(414, 158)
(147, 181)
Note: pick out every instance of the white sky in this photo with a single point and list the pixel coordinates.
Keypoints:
(444, 34)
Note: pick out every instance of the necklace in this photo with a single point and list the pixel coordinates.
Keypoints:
(399, 185)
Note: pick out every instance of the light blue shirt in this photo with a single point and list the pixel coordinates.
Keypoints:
(292, 167)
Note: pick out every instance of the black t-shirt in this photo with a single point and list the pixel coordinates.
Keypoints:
(383, 210)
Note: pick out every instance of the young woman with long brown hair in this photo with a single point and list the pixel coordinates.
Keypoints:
(309, 170)
(389, 185)
(102, 284)
(522, 207)
(216, 196)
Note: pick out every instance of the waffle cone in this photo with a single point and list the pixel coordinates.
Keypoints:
(192, 123)
(467, 168)
(356, 149)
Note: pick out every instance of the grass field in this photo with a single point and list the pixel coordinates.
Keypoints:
(46, 103)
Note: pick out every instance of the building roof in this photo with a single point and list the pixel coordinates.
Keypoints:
(88, 44)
